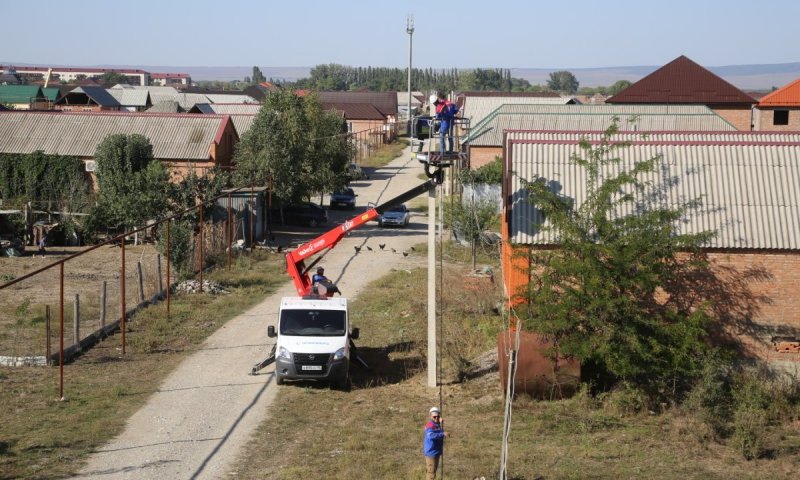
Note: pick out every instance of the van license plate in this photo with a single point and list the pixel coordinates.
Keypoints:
(311, 367)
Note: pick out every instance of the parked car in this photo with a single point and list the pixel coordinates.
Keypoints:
(344, 198)
(398, 216)
(305, 213)
(355, 172)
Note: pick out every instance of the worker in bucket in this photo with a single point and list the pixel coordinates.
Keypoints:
(433, 444)
(446, 113)
(319, 278)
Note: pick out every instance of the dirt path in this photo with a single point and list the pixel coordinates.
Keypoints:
(205, 411)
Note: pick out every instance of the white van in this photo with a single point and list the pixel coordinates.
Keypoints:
(313, 340)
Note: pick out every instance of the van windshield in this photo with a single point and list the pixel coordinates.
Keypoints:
(313, 323)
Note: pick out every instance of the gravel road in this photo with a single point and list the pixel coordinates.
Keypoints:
(205, 411)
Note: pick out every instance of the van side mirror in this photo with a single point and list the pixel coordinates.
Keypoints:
(354, 334)
(271, 331)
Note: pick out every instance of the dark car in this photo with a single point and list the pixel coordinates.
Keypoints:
(305, 213)
(344, 198)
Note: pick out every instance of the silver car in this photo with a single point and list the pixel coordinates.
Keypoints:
(398, 216)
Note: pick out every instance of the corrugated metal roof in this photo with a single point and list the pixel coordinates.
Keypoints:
(728, 137)
(242, 123)
(489, 132)
(178, 137)
(355, 111)
(748, 191)
(477, 108)
(385, 102)
(99, 95)
(232, 108)
(230, 98)
(19, 93)
(130, 98)
(786, 96)
(682, 81)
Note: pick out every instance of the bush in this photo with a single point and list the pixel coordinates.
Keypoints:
(180, 243)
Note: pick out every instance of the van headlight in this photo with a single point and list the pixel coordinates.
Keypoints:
(284, 354)
(339, 354)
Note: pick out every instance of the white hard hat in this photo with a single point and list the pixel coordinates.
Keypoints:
(433, 98)
(435, 410)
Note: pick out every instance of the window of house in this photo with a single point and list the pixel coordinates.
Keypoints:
(780, 117)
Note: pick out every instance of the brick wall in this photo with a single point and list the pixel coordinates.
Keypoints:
(740, 117)
(480, 156)
(760, 288)
(764, 118)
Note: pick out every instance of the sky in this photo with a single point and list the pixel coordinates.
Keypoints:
(448, 34)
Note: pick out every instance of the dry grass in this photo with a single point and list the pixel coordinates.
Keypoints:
(375, 431)
(384, 154)
(43, 437)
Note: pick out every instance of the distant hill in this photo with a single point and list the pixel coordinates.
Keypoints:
(747, 77)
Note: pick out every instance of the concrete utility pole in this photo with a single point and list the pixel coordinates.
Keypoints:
(410, 32)
(432, 288)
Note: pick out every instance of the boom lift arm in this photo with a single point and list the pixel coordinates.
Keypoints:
(295, 260)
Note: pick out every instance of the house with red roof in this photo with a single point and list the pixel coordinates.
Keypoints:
(779, 110)
(684, 82)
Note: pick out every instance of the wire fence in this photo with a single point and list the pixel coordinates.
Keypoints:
(57, 303)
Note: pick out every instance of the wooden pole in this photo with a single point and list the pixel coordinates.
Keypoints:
(47, 331)
(76, 320)
(61, 333)
(229, 233)
(202, 223)
(103, 288)
(122, 298)
(169, 281)
(141, 282)
(160, 278)
(252, 216)
(432, 288)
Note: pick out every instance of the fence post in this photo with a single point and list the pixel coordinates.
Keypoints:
(202, 225)
(103, 305)
(229, 232)
(123, 313)
(141, 282)
(252, 216)
(76, 319)
(47, 330)
(160, 278)
(169, 281)
(61, 332)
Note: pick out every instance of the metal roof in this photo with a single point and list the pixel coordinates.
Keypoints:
(682, 81)
(385, 102)
(729, 137)
(749, 192)
(355, 111)
(242, 123)
(786, 96)
(130, 98)
(98, 95)
(230, 98)
(489, 132)
(19, 93)
(178, 137)
(477, 108)
(230, 108)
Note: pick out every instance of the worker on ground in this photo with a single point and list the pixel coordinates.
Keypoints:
(319, 278)
(445, 113)
(433, 445)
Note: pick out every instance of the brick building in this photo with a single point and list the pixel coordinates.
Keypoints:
(779, 111)
(684, 82)
(748, 186)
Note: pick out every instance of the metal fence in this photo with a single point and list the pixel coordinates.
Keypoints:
(52, 310)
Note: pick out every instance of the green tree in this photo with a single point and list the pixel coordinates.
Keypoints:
(258, 77)
(113, 78)
(616, 294)
(295, 146)
(133, 186)
(469, 218)
(618, 86)
(563, 81)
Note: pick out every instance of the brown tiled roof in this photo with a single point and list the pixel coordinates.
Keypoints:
(355, 111)
(786, 96)
(385, 102)
(507, 94)
(682, 81)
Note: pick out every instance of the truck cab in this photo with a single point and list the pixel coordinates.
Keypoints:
(313, 340)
